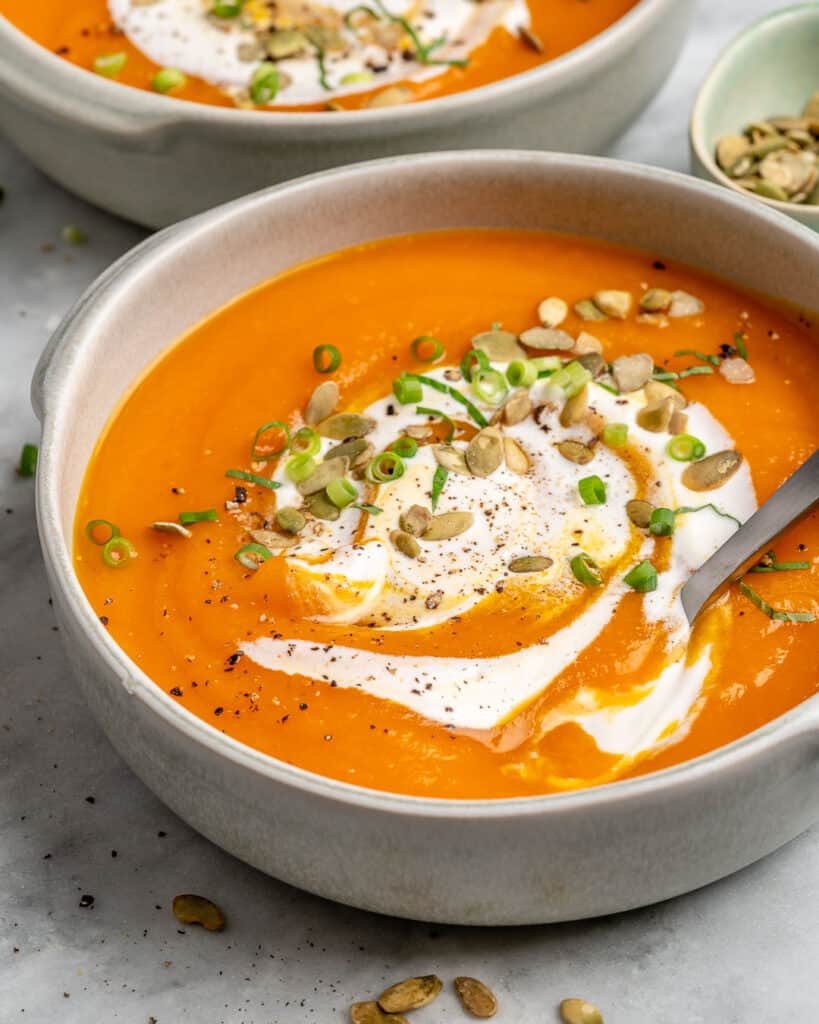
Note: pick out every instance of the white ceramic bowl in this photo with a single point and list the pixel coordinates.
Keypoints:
(772, 68)
(155, 160)
(476, 862)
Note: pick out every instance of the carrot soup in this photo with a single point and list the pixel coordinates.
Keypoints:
(416, 515)
(311, 54)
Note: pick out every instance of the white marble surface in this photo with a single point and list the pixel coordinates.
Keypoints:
(743, 951)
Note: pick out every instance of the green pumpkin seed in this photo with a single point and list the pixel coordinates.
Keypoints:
(161, 526)
(499, 346)
(586, 344)
(547, 338)
(530, 563)
(770, 191)
(516, 408)
(655, 300)
(406, 544)
(476, 998)
(290, 520)
(371, 1013)
(655, 390)
(446, 526)
(575, 408)
(272, 540)
(656, 416)
(578, 1011)
(575, 452)
(322, 403)
(639, 512)
(322, 475)
(320, 506)
(484, 453)
(587, 310)
(410, 994)
(191, 909)
(712, 471)
(285, 43)
(594, 363)
(769, 144)
(452, 459)
(357, 451)
(345, 425)
(730, 149)
(415, 520)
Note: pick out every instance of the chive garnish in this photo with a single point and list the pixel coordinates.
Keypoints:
(93, 525)
(642, 578)
(109, 65)
(687, 510)
(685, 448)
(407, 390)
(422, 50)
(208, 515)
(326, 358)
(118, 552)
(426, 349)
(341, 492)
(168, 78)
(704, 356)
(586, 570)
(739, 344)
(374, 510)
(251, 556)
(774, 613)
(606, 387)
(695, 371)
(770, 564)
(28, 460)
(445, 389)
(385, 468)
(269, 452)
(253, 478)
(439, 479)
(521, 373)
(662, 522)
(300, 467)
(489, 386)
(592, 490)
(475, 359)
(422, 410)
(615, 435)
(322, 69)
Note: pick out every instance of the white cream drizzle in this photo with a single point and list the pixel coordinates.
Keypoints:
(177, 33)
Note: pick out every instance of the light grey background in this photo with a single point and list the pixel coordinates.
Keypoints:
(743, 951)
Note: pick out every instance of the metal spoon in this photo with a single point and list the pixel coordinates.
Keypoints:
(798, 495)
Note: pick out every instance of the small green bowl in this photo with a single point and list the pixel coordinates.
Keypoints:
(770, 69)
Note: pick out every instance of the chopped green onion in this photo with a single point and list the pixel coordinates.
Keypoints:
(426, 349)
(300, 467)
(586, 570)
(422, 410)
(615, 435)
(406, 447)
(642, 578)
(489, 386)
(326, 358)
(665, 375)
(695, 371)
(357, 77)
(662, 522)
(704, 356)
(439, 479)
(606, 387)
(445, 389)
(264, 83)
(407, 390)
(686, 510)
(226, 9)
(28, 460)
(91, 531)
(422, 50)
(109, 65)
(341, 492)
(475, 359)
(571, 378)
(385, 468)
(208, 515)
(546, 365)
(592, 490)
(253, 478)
(521, 373)
(324, 81)
(770, 564)
(774, 613)
(739, 342)
(268, 450)
(118, 552)
(305, 442)
(685, 448)
(168, 78)
(373, 510)
(251, 556)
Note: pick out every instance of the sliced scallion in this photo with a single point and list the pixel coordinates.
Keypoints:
(326, 358)
(93, 525)
(373, 510)
(167, 79)
(739, 344)
(642, 578)
(28, 460)
(208, 515)
(685, 448)
(439, 479)
(109, 65)
(586, 570)
(445, 389)
(592, 490)
(615, 435)
(253, 478)
(774, 613)
(118, 552)
(662, 522)
(341, 492)
(426, 349)
(521, 373)
(385, 468)
(300, 467)
(251, 556)
(475, 359)
(407, 390)
(406, 447)
(489, 386)
(770, 564)
(264, 83)
(546, 365)
(270, 448)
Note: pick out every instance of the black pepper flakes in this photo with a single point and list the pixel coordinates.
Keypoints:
(86, 900)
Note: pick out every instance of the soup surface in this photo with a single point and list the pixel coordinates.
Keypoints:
(310, 55)
(422, 510)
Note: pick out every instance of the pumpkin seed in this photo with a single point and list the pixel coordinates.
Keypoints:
(500, 346)
(322, 475)
(811, 108)
(516, 408)
(655, 300)
(654, 390)
(161, 526)
(530, 563)
(452, 459)
(578, 1011)
(632, 372)
(613, 303)
(547, 338)
(679, 423)
(410, 994)
(531, 38)
(587, 310)
(792, 172)
(345, 425)
(656, 416)
(712, 471)
(586, 344)
(320, 506)
(191, 909)
(477, 998)
(358, 451)
(639, 512)
(445, 527)
(684, 304)
(730, 149)
(371, 1013)
(415, 520)
(406, 544)
(593, 362)
(272, 540)
(576, 452)
(392, 96)
(322, 403)
(516, 458)
(769, 191)
(285, 43)
(768, 144)
(484, 453)
(290, 520)
(737, 371)
(552, 312)
(575, 408)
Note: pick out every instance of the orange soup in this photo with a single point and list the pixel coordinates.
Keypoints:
(416, 515)
(311, 54)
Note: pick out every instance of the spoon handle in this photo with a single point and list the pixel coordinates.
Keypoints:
(798, 495)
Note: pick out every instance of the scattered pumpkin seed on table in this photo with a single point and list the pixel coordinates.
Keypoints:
(411, 994)
(578, 1011)
(476, 997)
(191, 909)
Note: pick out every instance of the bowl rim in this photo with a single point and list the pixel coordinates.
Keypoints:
(562, 70)
(704, 101)
(61, 357)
